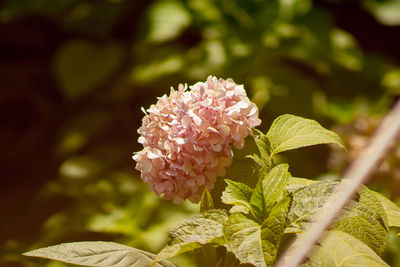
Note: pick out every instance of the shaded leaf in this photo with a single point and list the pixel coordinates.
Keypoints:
(98, 253)
(206, 202)
(81, 66)
(341, 249)
(237, 194)
(290, 132)
(272, 229)
(192, 233)
(263, 147)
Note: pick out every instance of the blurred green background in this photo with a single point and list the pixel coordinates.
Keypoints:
(74, 74)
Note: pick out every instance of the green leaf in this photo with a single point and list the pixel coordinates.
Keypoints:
(257, 201)
(360, 222)
(376, 209)
(391, 209)
(206, 202)
(263, 147)
(192, 233)
(237, 194)
(167, 19)
(306, 201)
(364, 220)
(81, 66)
(274, 183)
(243, 238)
(295, 183)
(272, 229)
(97, 253)
(341, 249)
(290, 132)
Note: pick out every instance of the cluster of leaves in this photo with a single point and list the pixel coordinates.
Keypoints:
(261, 219)
(104, 55)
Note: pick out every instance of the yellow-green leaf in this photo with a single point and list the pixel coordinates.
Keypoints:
(341, 249)
(290, 132)
(99, 254)
(243, 238)
(167, 19)
(237, 194)
(391, 209)
(200, 229)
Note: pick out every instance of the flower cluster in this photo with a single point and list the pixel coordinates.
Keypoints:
(186, 137)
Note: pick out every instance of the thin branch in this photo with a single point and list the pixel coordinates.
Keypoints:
(358, 173)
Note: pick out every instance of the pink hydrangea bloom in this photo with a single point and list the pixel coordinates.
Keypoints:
(187, 136)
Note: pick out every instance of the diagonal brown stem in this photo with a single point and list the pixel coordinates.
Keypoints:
(358, 173)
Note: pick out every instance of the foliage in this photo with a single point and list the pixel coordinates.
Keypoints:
(262, 216)
(77, 72)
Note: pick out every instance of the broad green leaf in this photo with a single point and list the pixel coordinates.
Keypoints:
(243, 238)
(263, 147)
(290, 132)
(391, 209)
(97, 253)
(81, 66)
(306, 201)
(272, 229)
(341, 249)
(237, 194)
(167, 19)
(206, 202)
(257, 201)
(274, 183)
(295, 183)
(386, 12)
(376, 209)
(192, 233)
(360, 222)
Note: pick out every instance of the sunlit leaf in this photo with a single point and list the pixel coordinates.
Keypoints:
(391, 209)
(341, 249)
(243, 238)
(257, 201)
(359, 221)
(386, 12)
(237, 193)
(306, 202)
(274, 183)
(97, 253)
(369, 199)
(167, 19)
(192, 233)
(290, 132)
(295, 183)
